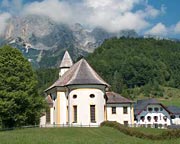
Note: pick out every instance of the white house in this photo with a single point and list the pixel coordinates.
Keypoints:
(78, 97)
(119, 109)
(175, 116)
(151, 113)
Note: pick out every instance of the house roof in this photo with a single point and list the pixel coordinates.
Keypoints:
(115, 98)
(66, 61)
(174, 109)
(80, 73)
(142, 104)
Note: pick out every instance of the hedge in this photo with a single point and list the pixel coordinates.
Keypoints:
(167, 134)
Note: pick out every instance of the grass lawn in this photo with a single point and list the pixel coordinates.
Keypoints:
(102, 135)
(149, 130)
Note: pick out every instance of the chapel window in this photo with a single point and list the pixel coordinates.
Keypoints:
(92, 95)
(74, 96)
(92, 113)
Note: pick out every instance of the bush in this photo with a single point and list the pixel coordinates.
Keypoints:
(168, 134)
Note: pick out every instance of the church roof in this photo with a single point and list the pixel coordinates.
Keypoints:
(80, 73)
(115, 98)
(66, 61)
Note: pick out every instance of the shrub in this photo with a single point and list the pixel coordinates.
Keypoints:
(168, 134)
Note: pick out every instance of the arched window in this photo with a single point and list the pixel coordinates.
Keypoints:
(149, 118)
(150, 109)
(165, 118)
(156, 109)
(173, 116)
(142, 118)
(155, 118)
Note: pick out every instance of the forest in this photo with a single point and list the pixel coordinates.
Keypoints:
(135, 66)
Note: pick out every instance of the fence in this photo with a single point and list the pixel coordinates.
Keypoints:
(90, 125)
(69, 125)
(161, 126)
(49, 126)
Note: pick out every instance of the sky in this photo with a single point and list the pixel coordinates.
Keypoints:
(147, 17)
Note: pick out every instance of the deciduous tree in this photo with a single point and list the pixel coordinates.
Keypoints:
(20, 103)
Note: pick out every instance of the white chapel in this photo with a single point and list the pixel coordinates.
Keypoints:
(80, 97)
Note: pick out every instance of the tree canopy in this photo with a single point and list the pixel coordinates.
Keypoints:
(20, 103)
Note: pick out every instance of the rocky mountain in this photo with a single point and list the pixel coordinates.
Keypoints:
(43, 41)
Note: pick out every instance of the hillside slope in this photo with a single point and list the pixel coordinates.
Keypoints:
(138, 66)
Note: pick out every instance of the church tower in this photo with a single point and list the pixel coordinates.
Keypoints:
(66, 63)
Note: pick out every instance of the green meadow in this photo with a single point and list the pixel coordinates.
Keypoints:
(101, 135)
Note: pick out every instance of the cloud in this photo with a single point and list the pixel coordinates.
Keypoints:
(112, 15)
(159, 29)
(177, 28)
(4, 17)
(58, 11)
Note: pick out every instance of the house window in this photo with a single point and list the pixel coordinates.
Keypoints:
(125, 110)
(48, 116)
(142, 118)
(149, 118)
(92, 113)
(155, 118)
(113, 110)
(75, 113)
(150, 109)
(173, 116)
(92, 95)
(126, 123)
(165, 118)
(161, 109)
(74, 96)
(156, 109)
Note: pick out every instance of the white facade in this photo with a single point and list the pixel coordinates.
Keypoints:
(153, 114)
(176, 120)
(120, 116)
(62, 112)
(80, 97)
(42, 120)
(83, 97)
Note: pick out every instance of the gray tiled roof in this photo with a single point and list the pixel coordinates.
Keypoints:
(80, 73)
(66, 61)
(174, 109)
(115, 98)
(142, 104)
